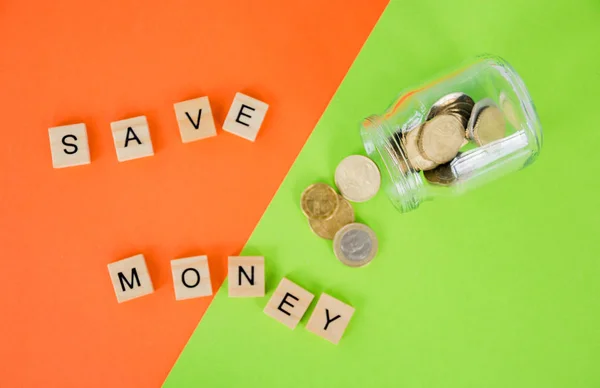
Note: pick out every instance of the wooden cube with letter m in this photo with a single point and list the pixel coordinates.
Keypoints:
(130, 278)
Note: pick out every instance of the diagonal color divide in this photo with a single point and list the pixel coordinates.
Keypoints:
(498, 288)
(99, 62)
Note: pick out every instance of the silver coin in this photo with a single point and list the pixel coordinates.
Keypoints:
(355, 245)
(358, 178)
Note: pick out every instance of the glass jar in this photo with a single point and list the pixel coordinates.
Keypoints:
(456, 133)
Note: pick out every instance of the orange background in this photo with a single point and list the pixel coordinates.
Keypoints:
(95, 62)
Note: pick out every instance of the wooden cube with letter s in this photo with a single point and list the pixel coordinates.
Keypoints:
(69, 145)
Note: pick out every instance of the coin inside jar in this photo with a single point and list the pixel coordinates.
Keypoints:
(358, 178)
(319, 201)
(355, 245)
(489, 126)
(327, 229)
(415, 158)
(510, 110)
(457, 104)
(442, 175)
(441, 138)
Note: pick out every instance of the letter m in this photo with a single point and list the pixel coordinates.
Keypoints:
(134, 277)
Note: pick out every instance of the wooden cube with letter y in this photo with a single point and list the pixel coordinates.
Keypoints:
(330, 318)
(245, 116)
(130, 278)
(288, 303)
(246, 276)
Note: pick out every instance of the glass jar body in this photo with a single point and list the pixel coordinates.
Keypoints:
(417, 141)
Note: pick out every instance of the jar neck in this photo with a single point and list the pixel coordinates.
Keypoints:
(405, 188)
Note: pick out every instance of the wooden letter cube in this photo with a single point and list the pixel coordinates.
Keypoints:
(288, 303)
(132, 138)
(330, 318)
(245, 116)
(195, 119)
(191, 277)
(246, 276)
(69, 145)
(130, 278)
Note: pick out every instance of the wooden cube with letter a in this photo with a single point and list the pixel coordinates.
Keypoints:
(132, 138)
(191, 277)
(130, 278)
(288, 303)
(195, 119)
(246, 276)
(330, 318)
(69, 145)
(245, 116)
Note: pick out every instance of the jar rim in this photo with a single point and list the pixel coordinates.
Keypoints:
(404, 187)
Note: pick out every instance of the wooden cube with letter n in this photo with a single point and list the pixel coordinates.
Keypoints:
(130, 278)
(288, 303)
(246, 276)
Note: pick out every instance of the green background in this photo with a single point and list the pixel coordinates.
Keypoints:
(497, 288)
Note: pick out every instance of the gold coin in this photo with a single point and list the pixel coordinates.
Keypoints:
(441, 138)
(442, 175)
(327, 229)
(489, 126)
(355, 245)
(415, 157)
(357, 178)
(457, 103)
(319, 201)
(510, 111)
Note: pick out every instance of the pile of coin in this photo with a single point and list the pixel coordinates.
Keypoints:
(452, 122)
(331, 216)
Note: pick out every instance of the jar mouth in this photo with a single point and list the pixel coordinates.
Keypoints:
(389, 154)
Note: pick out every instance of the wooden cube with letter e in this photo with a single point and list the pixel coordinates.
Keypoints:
(245, 116)
(288, 303)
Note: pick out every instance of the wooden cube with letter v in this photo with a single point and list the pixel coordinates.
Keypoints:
(330, 318)
(130, 278)
(288, 303)
(195, 119)
(246, 276)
